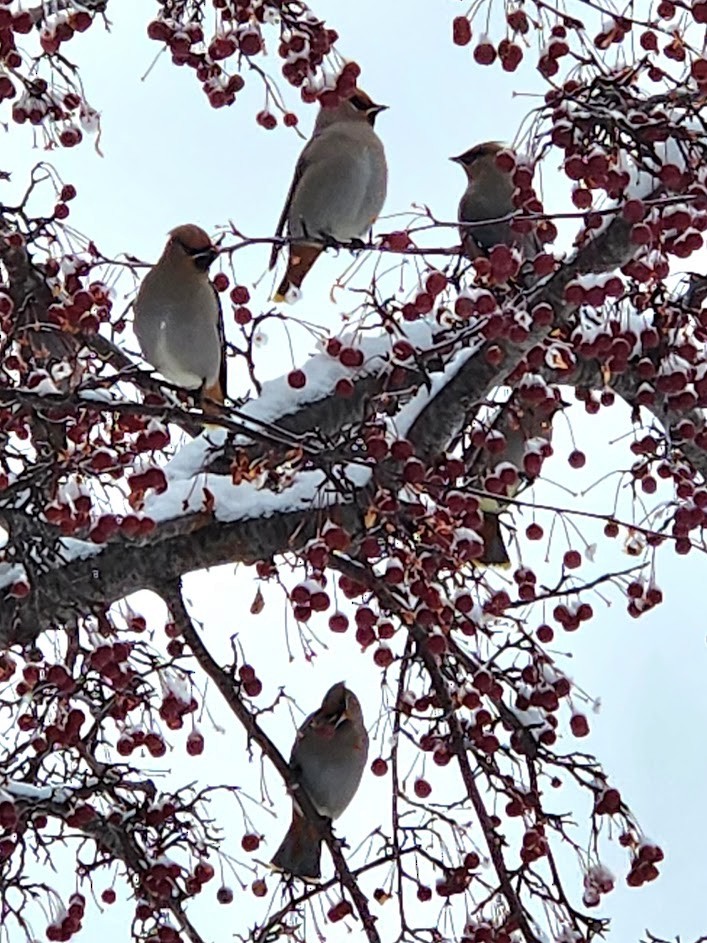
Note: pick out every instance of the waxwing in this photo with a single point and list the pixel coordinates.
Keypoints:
(338, 188)
(527, 429)
(328, 759)
(489, 195)
(178, 318)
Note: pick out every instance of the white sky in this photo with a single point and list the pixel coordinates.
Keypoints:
(168, 159)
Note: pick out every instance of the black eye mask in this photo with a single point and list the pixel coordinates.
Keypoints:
(360, 103)
(202, 257)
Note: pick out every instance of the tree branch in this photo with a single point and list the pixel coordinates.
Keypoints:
(172, 595)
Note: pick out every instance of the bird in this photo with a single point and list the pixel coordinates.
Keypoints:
(520, 423)
(178, 317)
(327, 760)
(489, 196)
(338, 188)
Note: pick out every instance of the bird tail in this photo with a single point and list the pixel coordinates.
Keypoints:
(302, 258)
(212, 399)
(301, 850)
(495, 550)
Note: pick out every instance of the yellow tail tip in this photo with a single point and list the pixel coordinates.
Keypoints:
(496, 565)
(278, 298)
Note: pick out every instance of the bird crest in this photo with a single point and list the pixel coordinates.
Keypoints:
(478, 152)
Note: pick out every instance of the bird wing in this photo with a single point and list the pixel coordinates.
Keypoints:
(223, 371)
(329, 148)
(300, 167)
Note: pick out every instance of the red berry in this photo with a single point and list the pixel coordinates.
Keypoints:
(422, 788)
(221, 281)
(203, 872)
(155, 744)
(351, 356)
(424, 302)
(572, 559)
(484, 53)
(195, 744)
(461, 31)
(338, 622)
(436, 283)
(240, 295)
(401, 450)
(534, 532)
(259, 887)
(297, 379)
(250, 42)
(333, 346)
(397, 241)
(242, 315)
(579, 725)
(250, 842)
(224, 895)
(344, 388)
(159, 31)
(383, 656)
(266, 119)
(577, 459)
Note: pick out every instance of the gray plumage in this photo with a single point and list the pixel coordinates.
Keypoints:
(519, 422)
(339, 185)
(328, 759)
(331, 775)
(489, 195)
(178, 320)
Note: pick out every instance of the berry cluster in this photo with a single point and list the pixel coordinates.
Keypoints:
(59, 108)
(304, 44)
(69, 924)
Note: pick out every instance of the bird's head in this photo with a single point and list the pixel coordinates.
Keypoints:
(190, 242)
(479, 158)
(358, 107)
(339, 705)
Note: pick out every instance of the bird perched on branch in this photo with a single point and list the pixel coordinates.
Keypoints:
(338, 188)
(328, 759)
(178, 318)
(527, 429)
(489, 196)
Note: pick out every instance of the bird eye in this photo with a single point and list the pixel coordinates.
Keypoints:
(359, 103)
(202, 257)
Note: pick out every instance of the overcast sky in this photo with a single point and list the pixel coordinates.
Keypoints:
(168, 159)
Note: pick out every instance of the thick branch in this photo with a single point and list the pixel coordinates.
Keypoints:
(195, 541)
(446, 414)
(189, 543)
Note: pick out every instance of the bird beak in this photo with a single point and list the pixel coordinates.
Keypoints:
(456, 160)
(376, 109)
